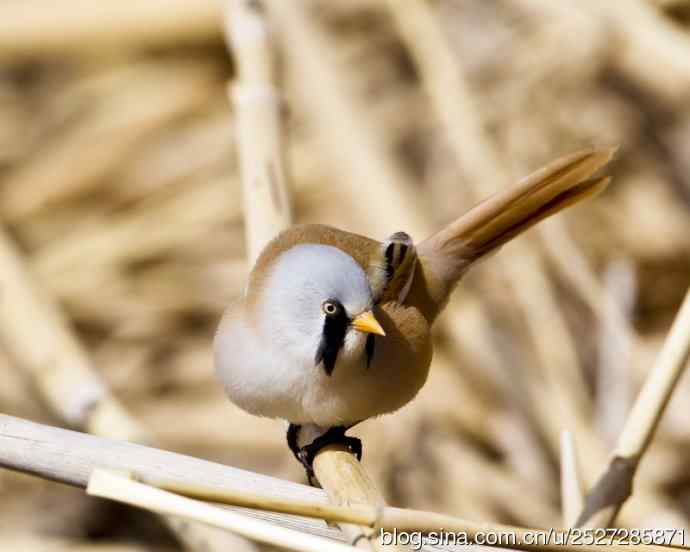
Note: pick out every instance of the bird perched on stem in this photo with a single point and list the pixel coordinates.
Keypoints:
(334, 327)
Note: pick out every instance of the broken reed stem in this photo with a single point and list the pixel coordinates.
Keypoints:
(257, 106)
(33, 28)
(615, 485)
(117, 487)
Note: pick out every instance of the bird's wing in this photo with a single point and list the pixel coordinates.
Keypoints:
(391, 268)
(445, 256)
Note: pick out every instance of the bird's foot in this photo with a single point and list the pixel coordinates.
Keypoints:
(307, 453)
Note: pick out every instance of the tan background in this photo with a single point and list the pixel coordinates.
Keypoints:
(118, 182)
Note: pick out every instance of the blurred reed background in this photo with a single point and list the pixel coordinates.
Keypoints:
(119, 188)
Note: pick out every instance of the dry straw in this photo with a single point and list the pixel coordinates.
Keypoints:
(116, 487)
(378, 518)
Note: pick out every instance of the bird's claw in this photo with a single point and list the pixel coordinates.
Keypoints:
(334, 436)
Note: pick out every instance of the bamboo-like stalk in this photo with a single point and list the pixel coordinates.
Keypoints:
(70, 457)
(257, 104)
(383, 517)
(346, 482)
(356, 513)
(614, 486)
(122, 489)
(79, 27)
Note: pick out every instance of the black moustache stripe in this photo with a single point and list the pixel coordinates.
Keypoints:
(332, 340)
(390, 253)
(369, 348)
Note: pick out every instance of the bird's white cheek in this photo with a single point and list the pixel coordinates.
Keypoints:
(355, 342)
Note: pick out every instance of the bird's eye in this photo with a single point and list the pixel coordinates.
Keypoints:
(329, 307)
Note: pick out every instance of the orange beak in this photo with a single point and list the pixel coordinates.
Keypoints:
(367, 323)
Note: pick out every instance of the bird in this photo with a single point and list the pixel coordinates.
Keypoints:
(334, 328)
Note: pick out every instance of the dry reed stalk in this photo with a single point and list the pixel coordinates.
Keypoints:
(455, 107)
(117, 487)
(32, 29)
(70, 457)
(257, 103)
(381, 517)
(614, 486)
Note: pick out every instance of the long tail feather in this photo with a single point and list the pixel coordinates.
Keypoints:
(503, 216)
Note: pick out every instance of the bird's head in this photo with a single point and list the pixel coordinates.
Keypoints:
(317, 302)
